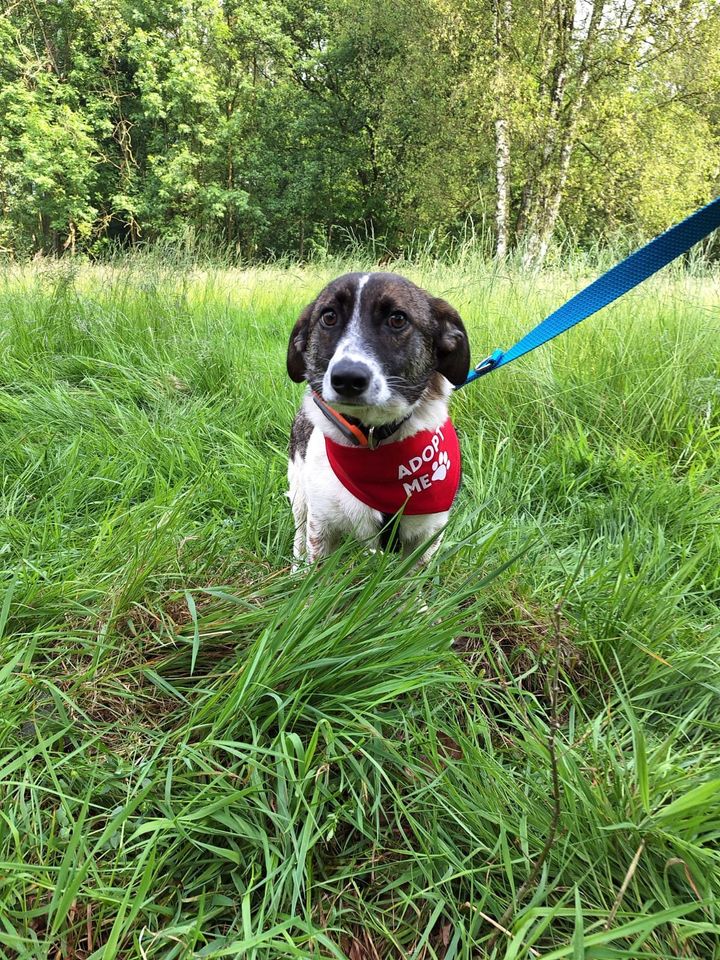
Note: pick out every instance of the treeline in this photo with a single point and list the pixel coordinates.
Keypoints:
(278, 126)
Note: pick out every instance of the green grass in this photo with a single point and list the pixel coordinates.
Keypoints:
(202, 755)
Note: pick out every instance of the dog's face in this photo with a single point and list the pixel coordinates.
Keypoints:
(370, 344)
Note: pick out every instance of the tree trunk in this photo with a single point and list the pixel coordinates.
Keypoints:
(543, 196)
(546, 219)
(503, 22)
(502, 184)
(536, 185)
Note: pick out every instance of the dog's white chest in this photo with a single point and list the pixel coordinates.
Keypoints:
(331, 503)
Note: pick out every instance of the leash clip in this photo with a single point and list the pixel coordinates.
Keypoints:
(489, 363)
(485, 366)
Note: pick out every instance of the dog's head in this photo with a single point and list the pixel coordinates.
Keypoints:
(371, 342)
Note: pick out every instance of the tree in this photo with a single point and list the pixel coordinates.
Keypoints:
(502, 10)
(586, 53)
(282, 127)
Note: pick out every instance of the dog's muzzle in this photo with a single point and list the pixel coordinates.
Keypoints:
(349, 378)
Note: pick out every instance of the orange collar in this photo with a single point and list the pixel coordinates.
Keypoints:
(357, 433)
(349, 430)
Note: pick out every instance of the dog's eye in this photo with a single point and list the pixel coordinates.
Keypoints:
(328, 318)
(397, 320)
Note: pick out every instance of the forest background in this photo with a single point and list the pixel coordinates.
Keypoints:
(269, 128)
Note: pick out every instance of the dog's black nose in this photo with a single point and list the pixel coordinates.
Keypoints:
(350, 378)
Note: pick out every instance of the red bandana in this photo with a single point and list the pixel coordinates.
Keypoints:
(420, 473)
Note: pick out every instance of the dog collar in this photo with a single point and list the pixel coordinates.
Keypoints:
(418, 475)
(359, 434)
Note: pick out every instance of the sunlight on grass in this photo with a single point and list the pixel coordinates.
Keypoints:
(205, 755)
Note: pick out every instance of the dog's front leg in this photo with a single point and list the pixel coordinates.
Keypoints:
(320, 541)
(299, 544)
(416, 530)
(298, 502)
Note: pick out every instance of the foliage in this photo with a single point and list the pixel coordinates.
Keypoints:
(271, 127)
(204, 755)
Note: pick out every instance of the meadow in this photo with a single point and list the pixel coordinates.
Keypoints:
(203, 754)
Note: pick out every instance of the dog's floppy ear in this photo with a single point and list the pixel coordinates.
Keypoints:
(451, 343)
(297, 344)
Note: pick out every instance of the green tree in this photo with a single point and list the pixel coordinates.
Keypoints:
(273, 126)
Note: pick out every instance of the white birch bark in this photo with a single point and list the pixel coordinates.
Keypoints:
(560, 142)
(503, 22)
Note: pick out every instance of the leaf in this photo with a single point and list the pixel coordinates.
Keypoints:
(696, 798)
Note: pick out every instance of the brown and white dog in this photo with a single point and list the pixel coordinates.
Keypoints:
(372, 438)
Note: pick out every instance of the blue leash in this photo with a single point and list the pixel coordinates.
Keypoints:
(618, 280)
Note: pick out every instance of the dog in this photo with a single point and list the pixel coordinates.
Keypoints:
(372, 449)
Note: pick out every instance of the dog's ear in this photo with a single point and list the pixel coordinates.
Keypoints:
(451, 343)
(297, 344)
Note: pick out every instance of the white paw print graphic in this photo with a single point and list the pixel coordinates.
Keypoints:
(441, 467)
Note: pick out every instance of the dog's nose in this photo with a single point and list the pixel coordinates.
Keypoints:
(349, 378)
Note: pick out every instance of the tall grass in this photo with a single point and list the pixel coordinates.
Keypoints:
(204, 755)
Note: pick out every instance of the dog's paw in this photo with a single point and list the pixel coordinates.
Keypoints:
(441, 467)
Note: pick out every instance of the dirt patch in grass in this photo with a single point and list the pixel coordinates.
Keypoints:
(522, 651)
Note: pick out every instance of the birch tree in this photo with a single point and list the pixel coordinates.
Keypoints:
(570, 51)
(585, 49)
(281, 127)
(502, 21)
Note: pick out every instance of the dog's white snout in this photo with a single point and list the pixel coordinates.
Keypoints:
(354, 373)
(355, 377)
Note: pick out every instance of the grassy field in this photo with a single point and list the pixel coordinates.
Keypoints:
(203, 755)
